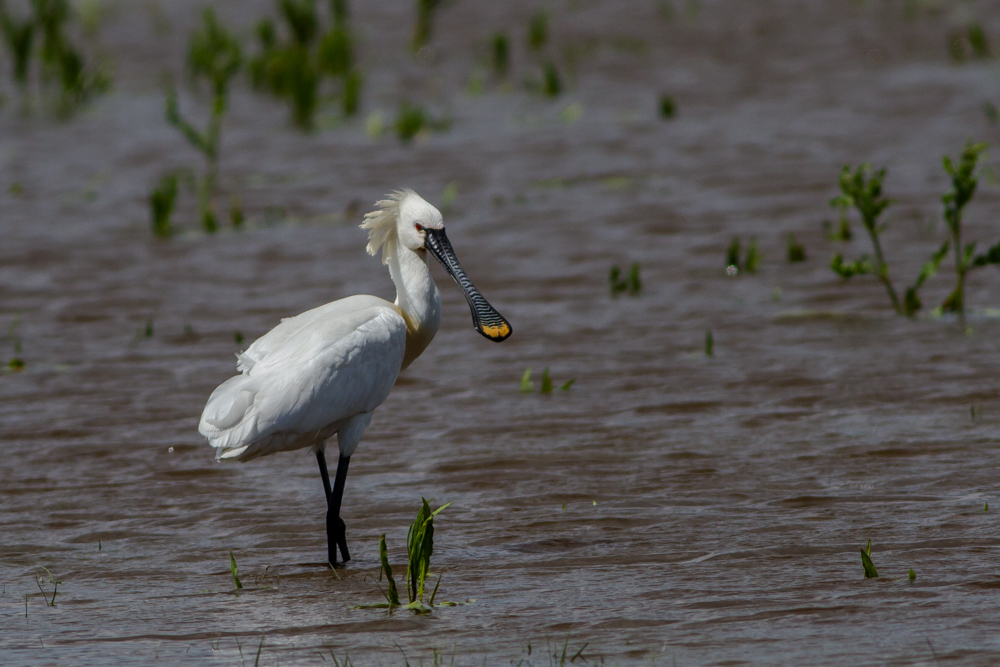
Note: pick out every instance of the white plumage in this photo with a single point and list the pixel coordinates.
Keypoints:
(323, 373)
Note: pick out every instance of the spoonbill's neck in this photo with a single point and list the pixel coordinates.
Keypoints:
(417, 298)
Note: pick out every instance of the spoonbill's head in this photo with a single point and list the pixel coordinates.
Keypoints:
(407, 218)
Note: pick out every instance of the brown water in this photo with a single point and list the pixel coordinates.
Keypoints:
(670, 508)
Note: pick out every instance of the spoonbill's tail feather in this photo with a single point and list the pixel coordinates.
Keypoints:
(224, 420)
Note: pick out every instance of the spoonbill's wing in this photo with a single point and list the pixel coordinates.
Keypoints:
(332, 366)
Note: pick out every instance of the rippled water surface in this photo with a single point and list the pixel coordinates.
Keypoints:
(670, 508)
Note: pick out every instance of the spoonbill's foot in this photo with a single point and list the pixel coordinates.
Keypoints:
(336, 532)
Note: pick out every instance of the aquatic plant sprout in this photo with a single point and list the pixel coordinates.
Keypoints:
(213, 55)
(232, 570)
(419, 548)
(866, 562)
(630, 284)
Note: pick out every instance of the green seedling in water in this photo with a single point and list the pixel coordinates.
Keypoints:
(18, 37)
(986, 506)
(913, 575)
(964, 182)
(527, 386)
(709, 343)
(501, 55)
(551, 83)
(796, 251)
(213, 55)
(55, 588)
(60, 60)
(16, 363)
(161, 204)
(424, 26)
(419, 547)
(410, 121)
(631, 284)
(148, 331)
(991, 112)
(751, 261)
(977, 41)
(538, 31)
(232, 570)
(866, 562)
(293, 69)
(862, 190)
(668, 108)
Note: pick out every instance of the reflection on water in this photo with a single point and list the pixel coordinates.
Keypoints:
(669, 506)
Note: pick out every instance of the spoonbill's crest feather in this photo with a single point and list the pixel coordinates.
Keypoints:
(381, 223)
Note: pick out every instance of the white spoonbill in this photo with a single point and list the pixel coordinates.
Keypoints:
(323, 372)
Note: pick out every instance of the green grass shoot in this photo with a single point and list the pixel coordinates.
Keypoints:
(551, 82)
(538, 31)
(546, 382)
(392, 595)
(232, 570)
(238, 337)
(668, 108)
(500, 55)
(977, 41)
(991, 112)
(161, 204)
(410, 121)
(986, 506)
(912, 575)
(423, 29)
(796, 251)
(709, 343)
(630, 284)
(419, 548)
(148, 331)
(55, 587)
(866, 562)
(567, 384)
(751, 260)
(213, 56)
(527, 386)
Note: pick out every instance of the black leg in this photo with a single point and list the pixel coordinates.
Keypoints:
(335, 528)
(335, 499)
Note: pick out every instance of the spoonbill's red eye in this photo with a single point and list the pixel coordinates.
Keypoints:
(419, 227)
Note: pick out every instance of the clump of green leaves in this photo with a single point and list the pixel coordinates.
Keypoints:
(862, 190)
(630, 284)
(419, 548)
(527, 386)
(213, 56)
(548, 80)
(751, 261)
(963, 187)
(62, 64)
(912, 575)
(866, 562)
(668, 108)
(796, 251)
(294, 60)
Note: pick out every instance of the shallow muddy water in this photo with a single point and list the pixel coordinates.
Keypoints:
(669, 508)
